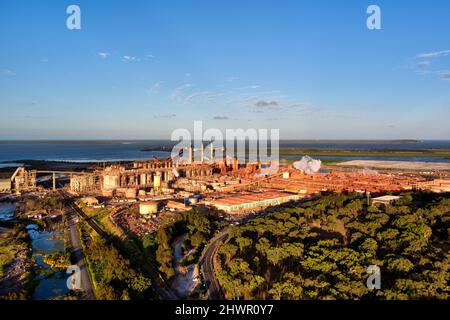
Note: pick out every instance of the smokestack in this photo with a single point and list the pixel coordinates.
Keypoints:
(235, 164)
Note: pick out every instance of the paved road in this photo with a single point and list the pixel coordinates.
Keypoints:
(207, 266)
(77, 249)
(159, 286)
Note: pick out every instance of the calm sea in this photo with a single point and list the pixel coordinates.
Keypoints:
(99, 151)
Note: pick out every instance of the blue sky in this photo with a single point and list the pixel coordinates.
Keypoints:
(140, 69)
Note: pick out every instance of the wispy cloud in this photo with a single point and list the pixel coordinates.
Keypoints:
(231, 79)
(154, 89)
(202, 96)
(196, 96)
(8, 72)
(266, 103)
(104, 55)
(165, 116)
(422, 67)
(434, 54)
(130, 59)
(221, 118)
(444, 74)
(423, 64)
(178, 92)
(150, 57)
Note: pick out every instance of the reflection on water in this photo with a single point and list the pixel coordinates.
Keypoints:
(7, 211)
(45, 242)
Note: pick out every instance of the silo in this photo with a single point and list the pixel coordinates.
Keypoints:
(150, 207)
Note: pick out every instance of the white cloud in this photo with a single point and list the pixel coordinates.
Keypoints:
(130, 59)
(178, 92)
(154, 89)
(103, 55)
(433, 54)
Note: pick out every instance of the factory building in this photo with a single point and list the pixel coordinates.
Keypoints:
(252, 201)
(117, 180)
(5, 185)
(386, 200)
(436, 185)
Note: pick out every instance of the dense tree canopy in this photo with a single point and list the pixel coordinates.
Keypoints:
(197, 228)
(322, 249)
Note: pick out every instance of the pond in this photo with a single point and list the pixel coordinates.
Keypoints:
(50, 284)
(7, 211)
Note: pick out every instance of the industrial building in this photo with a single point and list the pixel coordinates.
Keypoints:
(148, 207)
(386, 200)
(247, 201)
(436, 185)
(5, 185)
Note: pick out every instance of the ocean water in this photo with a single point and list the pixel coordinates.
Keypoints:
(77, 151)
(100, 151)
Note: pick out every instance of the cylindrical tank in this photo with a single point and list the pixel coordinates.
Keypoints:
(150, 207)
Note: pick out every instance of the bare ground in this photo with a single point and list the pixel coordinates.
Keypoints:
(400, 165)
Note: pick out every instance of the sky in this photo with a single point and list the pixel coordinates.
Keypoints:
(141, 69)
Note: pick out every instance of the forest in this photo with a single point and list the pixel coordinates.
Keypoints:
(321, 250)
(197, 228)
(113, 276)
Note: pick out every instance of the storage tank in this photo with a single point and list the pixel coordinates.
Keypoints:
(149, 207)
